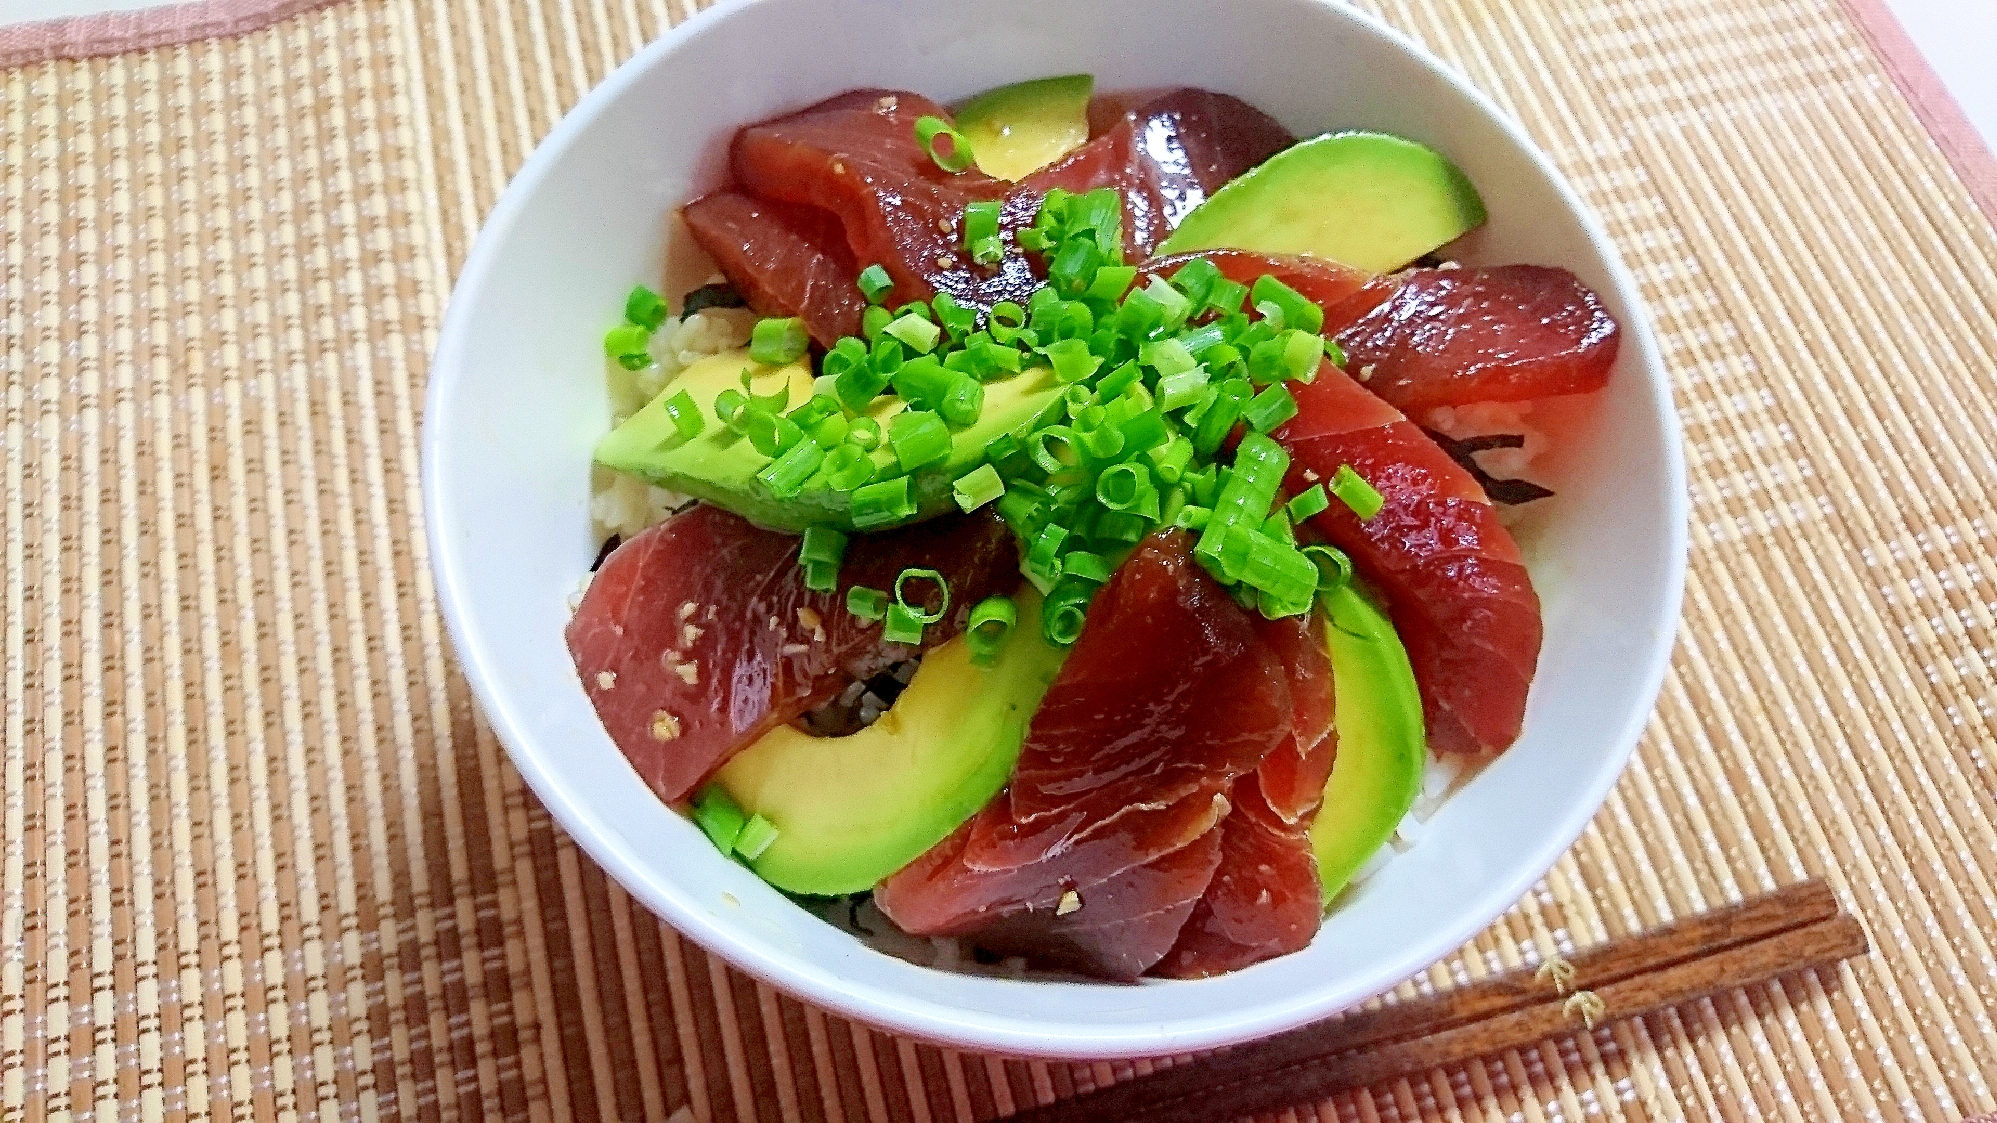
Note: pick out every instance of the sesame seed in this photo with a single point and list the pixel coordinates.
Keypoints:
(665, 727)
(1366, 373)
(687, 609)
(606, 680)
(1071, 901)
(1311, 475)
(838, 167)
(775, 626)
(1450, 265)
(811, 621)
(689, 672)
(945, 261)
(669, 657)
(796, 648)
(688, 634)
(888, 103)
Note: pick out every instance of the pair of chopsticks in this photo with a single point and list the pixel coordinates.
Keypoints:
(1746, 944)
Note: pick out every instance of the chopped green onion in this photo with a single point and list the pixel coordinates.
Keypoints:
(1169, 461)
(945, 145)
(920, 309)
(1273, 566)
(1195, 278)
(918, 333)
(644, 308)
(729, 406)
(1334, 568)
(1066, 610)
(1074, 266)
(874, 321)
(1270, 408)
(957, 318)
(1220, 416)
(776, 342)
(1298, 310)
(757, 835)
(769, 434)
(1043, 557)
(1307, 503)
(1226, 296)
(1120, 486)
(1085, 566)
(979, 486)
(1143, 431)
(882, 503)
(1271, 314)
(1192, 516)
(822, 544)
(875, 283)
(1121, 526)
(1356, 493)
(627, 340)
(717, 814)
(981, 220)
(864, 432)
(814, 410)
(922, 382)
(903, 626)
(867, 604)
(1333, 352)
(786, 475)
(933, 577)
(1071, 360)
(685, 415)
(1182, 389)
(848, 466)
(1301, 352)
(919, 438)
(1005, 321)
(831, 432)
(1111, 282)
(1041, 447)
(988, 251)
(963, 401)
(1177, 307)
(991, 623)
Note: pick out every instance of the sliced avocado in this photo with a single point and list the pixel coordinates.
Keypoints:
(1382, 739)
(1018, 129)
(1368, 200)
(720, 466)
(851, 810)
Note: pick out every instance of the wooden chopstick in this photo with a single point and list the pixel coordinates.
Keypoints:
(1740, 945)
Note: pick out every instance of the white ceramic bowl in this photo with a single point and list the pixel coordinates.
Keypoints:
(517, 398)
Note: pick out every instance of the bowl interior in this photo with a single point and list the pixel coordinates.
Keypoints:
(517, 399)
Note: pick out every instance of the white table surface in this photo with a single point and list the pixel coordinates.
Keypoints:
(1956, 36)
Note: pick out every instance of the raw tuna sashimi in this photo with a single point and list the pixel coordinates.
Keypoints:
(1292, 776)
(698, 636)
(1124, 766)
(856, 156)
(785, 259)
(1165, 155)
(1456, 588)
(1264, 899)
(1450, 337)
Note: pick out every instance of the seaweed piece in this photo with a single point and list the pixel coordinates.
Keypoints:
(1509, 492)
(717, 295)
(610, 544)
(853, 904)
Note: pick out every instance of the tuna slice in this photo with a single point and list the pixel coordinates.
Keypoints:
(1265, 898)
(856, 156)
(1456, 588)
(1098, 850)
(1165, 155)
(1449, 337)
(785, 260)
(698, 636)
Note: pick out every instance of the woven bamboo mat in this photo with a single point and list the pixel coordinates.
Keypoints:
(262, 861)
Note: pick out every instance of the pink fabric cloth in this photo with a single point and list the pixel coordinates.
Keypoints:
(114, 33)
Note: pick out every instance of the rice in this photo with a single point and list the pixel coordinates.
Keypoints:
(1485, 418)
(625, 505)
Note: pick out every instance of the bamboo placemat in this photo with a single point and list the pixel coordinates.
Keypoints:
(262, 861)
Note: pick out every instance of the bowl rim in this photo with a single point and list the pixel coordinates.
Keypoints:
(909, 1014)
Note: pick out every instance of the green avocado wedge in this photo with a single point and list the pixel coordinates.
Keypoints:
(1382, 739)
(1016, 130)
(1369, 200)
(720, 466)
(851, 810)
